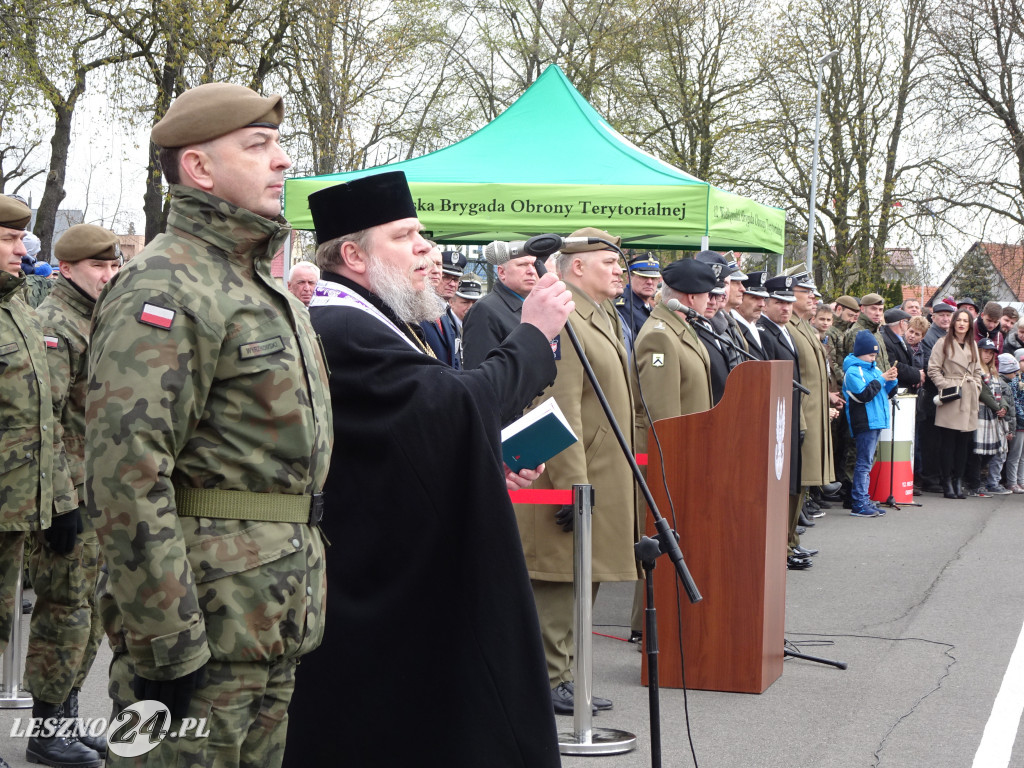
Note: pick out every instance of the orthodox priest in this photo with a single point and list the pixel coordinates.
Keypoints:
(432, 645)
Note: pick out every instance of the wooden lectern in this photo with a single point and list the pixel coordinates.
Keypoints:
(731, 513)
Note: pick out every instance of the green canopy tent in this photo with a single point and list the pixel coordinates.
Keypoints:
(551, 163)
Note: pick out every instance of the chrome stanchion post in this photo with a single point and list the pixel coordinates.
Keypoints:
(583, 593)
(585, 739)
(11, 695)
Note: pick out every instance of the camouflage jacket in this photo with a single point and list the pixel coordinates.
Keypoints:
(37, 288)
(204, 373)
(863, 324)
(26, 415)
(833, 346)
(65, 316)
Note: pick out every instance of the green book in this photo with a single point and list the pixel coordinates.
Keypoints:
(536, 437)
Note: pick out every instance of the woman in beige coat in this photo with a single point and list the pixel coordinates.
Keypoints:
(954, 361)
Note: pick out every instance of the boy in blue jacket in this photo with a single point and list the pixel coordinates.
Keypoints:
(866, 390)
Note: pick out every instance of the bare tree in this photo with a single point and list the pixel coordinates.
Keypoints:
(980, 89)
(365, 79)
(20, 134)
(57, 46)
(177, 44)
(871, 98)
(687, 88)
(508, 43)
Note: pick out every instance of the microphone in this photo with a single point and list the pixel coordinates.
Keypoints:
(499, 252)
(539, 246)
(675, 306)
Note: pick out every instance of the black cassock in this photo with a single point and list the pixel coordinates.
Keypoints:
(432, 651)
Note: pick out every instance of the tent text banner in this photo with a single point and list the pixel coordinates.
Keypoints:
(645, 216)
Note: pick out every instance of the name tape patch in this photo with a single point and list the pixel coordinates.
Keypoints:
(261, 348)
(158, 317)
(8, 349)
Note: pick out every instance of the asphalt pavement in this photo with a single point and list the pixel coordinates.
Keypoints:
(925, 605)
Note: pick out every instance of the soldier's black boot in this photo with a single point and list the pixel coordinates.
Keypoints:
(98, 743)
(57, 751)
(3, 763)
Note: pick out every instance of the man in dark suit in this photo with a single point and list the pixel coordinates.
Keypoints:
(909, 375)
(634, 305)
(749, 311)
(780, 345)
(495, 316)
(442, 335)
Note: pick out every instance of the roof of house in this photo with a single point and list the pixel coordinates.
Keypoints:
(1008, 260)
(916, 291)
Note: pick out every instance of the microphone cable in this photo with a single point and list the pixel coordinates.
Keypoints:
(671, 509)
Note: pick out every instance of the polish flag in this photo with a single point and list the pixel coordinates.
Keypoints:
(158, 316)
(51, 342)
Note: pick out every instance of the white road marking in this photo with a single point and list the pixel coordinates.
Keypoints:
(1001, 728)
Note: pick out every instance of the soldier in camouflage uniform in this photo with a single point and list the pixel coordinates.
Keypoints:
(65, 628)
(208, 433)
(38, 285)
(27, 431)
(847, 312)
(37, 273)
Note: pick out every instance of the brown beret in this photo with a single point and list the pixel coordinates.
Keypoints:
(591, 232)
(849, 302)
(86, 241)
(209, 111)
(871, 299)
(14, 214)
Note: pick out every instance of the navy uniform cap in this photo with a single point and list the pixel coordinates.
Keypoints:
(780, 287)
(645, 266)
(453, 262)
(755, 284)
(723, 270)
(470, 288)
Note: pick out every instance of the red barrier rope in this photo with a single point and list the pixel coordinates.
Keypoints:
(554, 496)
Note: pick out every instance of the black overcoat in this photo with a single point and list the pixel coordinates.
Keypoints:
(776, 348)
(432, 651)
(488, 322)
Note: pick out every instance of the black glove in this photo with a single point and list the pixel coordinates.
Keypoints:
(63, 532)
(564, 517)
(174, 694)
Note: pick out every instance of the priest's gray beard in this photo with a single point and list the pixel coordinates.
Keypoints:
(394, 288)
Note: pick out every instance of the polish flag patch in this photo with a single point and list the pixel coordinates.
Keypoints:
(51, 342)
(159, 317)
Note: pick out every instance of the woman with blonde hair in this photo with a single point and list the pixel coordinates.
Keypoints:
(955, 363)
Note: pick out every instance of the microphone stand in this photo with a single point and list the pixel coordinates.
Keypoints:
(646, 549)
(891, 501)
